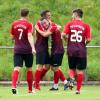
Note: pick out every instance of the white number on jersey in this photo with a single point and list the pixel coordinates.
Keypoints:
(21, 32)
(76, 36)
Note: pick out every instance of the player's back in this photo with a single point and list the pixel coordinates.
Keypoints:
(76, 38)
(20, 29)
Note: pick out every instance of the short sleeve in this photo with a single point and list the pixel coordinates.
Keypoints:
(30, 29)
(66, 28)
(53, 28)
(12, 30)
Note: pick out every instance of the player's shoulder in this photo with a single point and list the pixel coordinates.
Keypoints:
(86, 24)
(14, 22)
(68, 23)
(54, 24)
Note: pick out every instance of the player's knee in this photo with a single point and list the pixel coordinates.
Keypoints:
(39, 67)
(17, 68)
(47, 67)
(80, 71)
(29, 69)
(54, 69)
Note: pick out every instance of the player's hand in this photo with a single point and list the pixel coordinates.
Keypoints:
(59, 27)
(33, 51)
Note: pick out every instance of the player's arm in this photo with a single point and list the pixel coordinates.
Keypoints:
(30, 38)
(31, 41)
(44, 34)
(59, 27)
(88, 34)
(65, 32)
(12, 33)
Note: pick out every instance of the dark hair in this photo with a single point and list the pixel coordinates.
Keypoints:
(45, 19)
(79, 12)
(43, 13)
(24, 12)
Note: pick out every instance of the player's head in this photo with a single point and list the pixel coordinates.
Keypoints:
(46, 14)
(45, 23)
(77, 13)
(24, 12)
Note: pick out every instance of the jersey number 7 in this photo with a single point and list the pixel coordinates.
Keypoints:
(21, 32)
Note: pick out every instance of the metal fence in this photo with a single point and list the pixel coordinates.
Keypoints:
(6, 49)
(11, 47)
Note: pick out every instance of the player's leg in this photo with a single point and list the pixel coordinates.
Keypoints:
(28, 58)
(81, 66)
(38, 76)
(40, 61)
(72, 71)
(56, 77)
(18, 62)
(45, 70)
(46, 67)
(56, 61)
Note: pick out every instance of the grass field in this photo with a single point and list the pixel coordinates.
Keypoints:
(87, 93)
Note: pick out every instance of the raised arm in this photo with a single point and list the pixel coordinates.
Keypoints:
(46, 33)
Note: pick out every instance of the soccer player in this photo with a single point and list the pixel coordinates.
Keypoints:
(21, 32)
(42, 54)
(79, 35)
(57, 52)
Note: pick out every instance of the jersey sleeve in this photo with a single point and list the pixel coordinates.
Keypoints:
(12, 30)
(53, 28)
(30, 29)
(66, 28)
(88, 32)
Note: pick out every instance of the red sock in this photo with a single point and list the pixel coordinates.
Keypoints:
(44, 71)
(62, 77)
(29, 78)
(14, 78)
(79, 81)
(56, 76)
(71, 73)
(37, 76)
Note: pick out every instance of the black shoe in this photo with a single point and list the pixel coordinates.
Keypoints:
(14, 91)
(77, 92)
(66, 86)
(71, 85)
(53, 89)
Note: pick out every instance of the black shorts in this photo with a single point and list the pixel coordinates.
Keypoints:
(56, 60)
(20, 58)
(42, 58)
(77, 63)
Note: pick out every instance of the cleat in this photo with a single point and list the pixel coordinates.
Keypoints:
(53, 89)
(31, 92)
(66, 86)
(36, 87)
(71, 85)
(77, 92)
(14, 91)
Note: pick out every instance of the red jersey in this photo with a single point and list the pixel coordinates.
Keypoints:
(57, 45)
(78, 32)
(20, 30)
(41, 44)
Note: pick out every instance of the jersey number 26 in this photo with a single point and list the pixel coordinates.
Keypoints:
(76, 37)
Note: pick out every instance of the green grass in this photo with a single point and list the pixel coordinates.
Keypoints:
(87, 93)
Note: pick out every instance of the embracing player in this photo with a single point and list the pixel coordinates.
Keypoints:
(57, 51)
(21, 33)
(79, 35)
